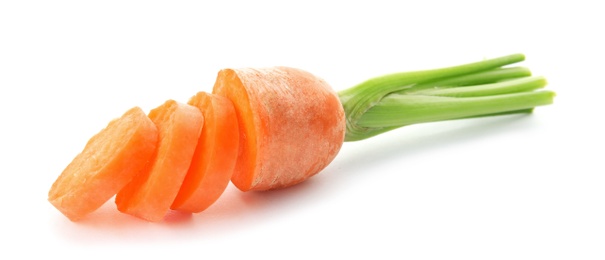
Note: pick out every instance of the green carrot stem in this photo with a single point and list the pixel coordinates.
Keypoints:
(472, 90)
(400, 110)
(393, 82)
(482, 77)
(505, 87)
(522, 111)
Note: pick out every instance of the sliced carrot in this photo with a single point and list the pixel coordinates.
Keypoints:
(110, 159)
(151, 193)
(214, 157)
(291, 123)
(269, 128)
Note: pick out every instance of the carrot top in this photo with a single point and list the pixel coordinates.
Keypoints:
(483, 88)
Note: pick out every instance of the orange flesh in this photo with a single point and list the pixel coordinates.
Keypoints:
(151, 193)
(229, 86)
(214, 157)
(108, 162)
(291, 123)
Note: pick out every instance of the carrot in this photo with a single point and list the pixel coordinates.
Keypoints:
(150, 194)
(110, 159)
(271, 128)
(214, 157)
(291, 125)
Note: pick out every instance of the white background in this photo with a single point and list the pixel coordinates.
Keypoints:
(515, 187)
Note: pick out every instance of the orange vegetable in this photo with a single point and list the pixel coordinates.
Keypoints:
(271, 128)
(214, 157)
(108, 162)
(292, 125)
(151, 193)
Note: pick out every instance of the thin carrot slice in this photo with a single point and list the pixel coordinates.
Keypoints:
(151, 193)
(110, 160)
(291, 123)
(214, 157)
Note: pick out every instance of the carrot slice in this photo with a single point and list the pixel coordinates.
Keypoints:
(214, 157)
(110, 159)
(291, 123)
(150, 194)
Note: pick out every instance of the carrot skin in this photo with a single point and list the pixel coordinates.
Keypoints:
(291, 122)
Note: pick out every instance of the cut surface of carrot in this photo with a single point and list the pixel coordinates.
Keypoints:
(110, 160)
(291, 123)
(150, 194)
(214, 157)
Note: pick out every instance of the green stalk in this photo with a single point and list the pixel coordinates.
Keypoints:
(504, 87)
(472, 90)
(400, 110)
(482, 77)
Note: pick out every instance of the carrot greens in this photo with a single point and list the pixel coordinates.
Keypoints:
(484, 88)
